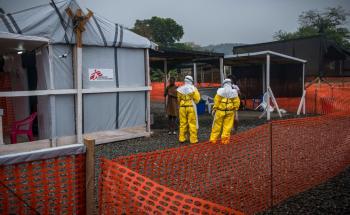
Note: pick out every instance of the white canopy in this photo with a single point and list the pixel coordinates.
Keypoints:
(48, 19)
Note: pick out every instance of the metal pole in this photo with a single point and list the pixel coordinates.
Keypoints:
(79, 82)
(148, 83)
(268, 117)
(165, 70)
(1, 131)
(304, 92)
(195, 74)
(264, 78)
(221, 60)
(52, 100)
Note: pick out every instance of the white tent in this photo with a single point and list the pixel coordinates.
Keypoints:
(109, 94)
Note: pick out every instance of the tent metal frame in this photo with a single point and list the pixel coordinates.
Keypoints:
(266, 78)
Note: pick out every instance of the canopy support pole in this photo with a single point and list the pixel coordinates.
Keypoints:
(1, 131)
(221, 61)
(263, 78)
(274, 101)
(304, 105)
(195, 80)
(268, 115)
(165, 70)
(302, 101)
(52, 100)
(148, 93)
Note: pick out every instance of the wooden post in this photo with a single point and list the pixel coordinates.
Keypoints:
(79, 21)
(90, 176)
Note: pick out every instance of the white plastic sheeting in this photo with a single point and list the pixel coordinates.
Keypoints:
(44, 19)
(43, 68)
(98, 58)
(62, 67)
(44, 118)
(43, 83)
(130, 63)
(99, 112)
(64, 104)
(132, 109)
(65, 115)
(109, 111)
(42, 154)
(106, 46)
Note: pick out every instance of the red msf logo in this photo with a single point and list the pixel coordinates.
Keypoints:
(95, 75)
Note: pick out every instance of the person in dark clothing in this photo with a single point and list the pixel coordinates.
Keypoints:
(171, 105)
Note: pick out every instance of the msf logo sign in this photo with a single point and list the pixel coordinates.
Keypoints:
(95, 75)
(101, 74)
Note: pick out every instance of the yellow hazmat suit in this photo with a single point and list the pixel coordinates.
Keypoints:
(187, 97)
(226, 102)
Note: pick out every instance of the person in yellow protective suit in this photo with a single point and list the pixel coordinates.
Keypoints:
(187, 97)
(226, 102)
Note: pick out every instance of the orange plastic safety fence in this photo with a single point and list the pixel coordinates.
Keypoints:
(52, 186)
(307, 152)
(124, 191)
(325, 99)
(258, 169)
(235, 175)
(321, 99)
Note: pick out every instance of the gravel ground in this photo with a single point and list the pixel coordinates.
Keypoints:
(160, 138)
(332, 197)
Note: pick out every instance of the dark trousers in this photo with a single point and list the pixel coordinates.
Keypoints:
(172, 123)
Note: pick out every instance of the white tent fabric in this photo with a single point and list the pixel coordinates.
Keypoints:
(107, 46)
(48, 19)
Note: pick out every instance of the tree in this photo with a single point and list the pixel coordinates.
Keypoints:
(186, 46)
(329, 23)
(164, 31)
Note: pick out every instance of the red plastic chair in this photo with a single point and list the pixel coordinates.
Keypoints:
(17, 128)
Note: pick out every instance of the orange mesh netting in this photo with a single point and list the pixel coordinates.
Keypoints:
(52, 186)
(307, 152)
(143, 196)
(259, 168)
(320, 99)
(288, 104)
(325, 99)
